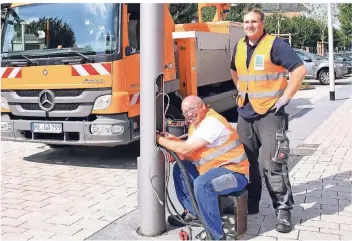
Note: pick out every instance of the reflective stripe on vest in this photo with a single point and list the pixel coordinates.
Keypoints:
(266, 94)
(221, 151)
(272, 76)
(237, 160)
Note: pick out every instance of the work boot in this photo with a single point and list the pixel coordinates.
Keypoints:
(253, 208)
(284, 223)
(187, 217)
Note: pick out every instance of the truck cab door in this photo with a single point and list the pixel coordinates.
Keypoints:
(132, 50)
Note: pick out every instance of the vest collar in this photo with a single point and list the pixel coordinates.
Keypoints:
(246, 40)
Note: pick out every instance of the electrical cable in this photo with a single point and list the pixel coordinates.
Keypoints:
(158, 148)
(187, 182)
(191, 194)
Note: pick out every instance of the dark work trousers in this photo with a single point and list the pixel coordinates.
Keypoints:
(259, 139)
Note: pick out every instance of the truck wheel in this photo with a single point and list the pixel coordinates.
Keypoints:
(324, 77)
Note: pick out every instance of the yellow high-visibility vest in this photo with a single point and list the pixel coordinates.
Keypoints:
(263, 81)
(230, 155)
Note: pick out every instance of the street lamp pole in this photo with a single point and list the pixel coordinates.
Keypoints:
(331, 53)
(151, 165)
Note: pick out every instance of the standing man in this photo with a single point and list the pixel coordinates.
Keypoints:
(258, 68)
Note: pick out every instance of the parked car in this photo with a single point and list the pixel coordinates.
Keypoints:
(348, 57)
(318, 67)
(346, 53)
(344, 59)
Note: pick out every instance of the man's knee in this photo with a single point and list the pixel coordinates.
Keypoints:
(199, 185)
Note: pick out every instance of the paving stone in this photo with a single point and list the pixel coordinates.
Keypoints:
(335, 231)
(64, 219)
(308, 235)
(13, 213)
(271, 232)
(39, 234)
(12, 222)
(15, 236)
(9, 229)
(335, 218)
(320, 224)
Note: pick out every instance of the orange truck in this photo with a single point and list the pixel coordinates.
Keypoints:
(70, 72)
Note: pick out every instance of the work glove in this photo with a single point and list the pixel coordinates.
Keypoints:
(280, 103)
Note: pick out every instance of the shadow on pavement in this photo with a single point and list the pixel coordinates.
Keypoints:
(313, 199)
(295, 111)
(120, 157)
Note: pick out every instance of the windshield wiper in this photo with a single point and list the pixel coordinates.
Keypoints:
(29, 62)
(84, 57)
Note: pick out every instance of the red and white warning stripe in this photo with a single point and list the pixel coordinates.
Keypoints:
(11, 72)
(135, 98)
(91, 69)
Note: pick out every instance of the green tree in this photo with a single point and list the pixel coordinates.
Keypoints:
(305, 32)
(271, 24)
(319, 12)
(236, 12)
(208, 13)
(183, 12)
(341, 40)
(345, 18)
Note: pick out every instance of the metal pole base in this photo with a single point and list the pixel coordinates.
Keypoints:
(138, 231)
(332, 95)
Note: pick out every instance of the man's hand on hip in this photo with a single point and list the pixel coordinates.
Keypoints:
(281, 102)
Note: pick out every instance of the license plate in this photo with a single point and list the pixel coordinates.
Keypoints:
(46, 128)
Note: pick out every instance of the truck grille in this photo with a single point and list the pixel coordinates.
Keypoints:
(58, 107)
(58, 93)
(66, 136)
(75, 103)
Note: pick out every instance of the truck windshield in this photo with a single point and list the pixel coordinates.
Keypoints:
(32, 29)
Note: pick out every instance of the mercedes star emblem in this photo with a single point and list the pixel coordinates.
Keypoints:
(46, 100)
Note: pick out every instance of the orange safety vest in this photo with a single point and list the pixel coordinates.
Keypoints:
(263, 81)
(230, 155)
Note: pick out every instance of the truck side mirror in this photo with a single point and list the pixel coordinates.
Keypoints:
(307, 59)
(128, 50)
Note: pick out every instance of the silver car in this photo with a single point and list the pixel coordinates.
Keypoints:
(318, 67)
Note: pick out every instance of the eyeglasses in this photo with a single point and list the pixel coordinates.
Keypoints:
(192, 110)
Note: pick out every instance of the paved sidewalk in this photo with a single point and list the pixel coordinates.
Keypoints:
(321, 176)
(63, 194)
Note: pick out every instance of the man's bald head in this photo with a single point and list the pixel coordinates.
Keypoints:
(192, 100)
(194, 109)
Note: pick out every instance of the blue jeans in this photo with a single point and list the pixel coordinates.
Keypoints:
(206, 187)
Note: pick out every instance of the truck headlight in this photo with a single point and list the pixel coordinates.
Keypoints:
(99, 129)
(102, 102)
(4, 103)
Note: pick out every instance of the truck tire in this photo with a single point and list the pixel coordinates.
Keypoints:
(324, 77)
(55, 146)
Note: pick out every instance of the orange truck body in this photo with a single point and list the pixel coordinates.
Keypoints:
(75, 87)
